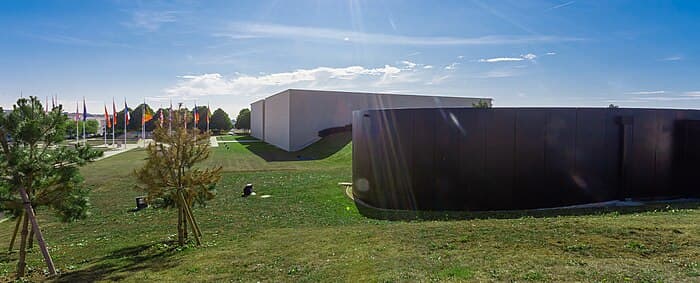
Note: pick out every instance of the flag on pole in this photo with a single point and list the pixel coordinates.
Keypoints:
(84, 119)
(161, 117)
(114, 113)
(84, 110)
(196, 116)
(53, 102)
(208, 116)
(77, 112)
(127, 117)
(108, 121)
(147, 114)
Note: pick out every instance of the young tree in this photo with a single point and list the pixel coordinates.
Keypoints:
(37, 171)
(220, 121)
(243, 119)
(170, 177)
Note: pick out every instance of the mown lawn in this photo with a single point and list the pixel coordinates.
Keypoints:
(308, 230)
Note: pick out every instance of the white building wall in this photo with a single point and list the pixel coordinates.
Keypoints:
(313, 111)
(257, 115)
(276, 120)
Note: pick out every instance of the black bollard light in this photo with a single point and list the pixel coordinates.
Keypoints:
(141, 203)
(247, 190)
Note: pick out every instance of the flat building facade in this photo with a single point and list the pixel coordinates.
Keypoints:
(292, 119)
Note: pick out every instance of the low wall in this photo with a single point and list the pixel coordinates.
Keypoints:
(522, 158)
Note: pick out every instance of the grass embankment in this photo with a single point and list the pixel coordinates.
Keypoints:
(309, 231)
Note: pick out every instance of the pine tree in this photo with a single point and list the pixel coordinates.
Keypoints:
(170, 177)
(38, 171)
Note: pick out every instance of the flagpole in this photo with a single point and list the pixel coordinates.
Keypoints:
(208, 118)
(114, 120)
(143, 121)
(77, 123)
(125, 110)
(84, 121)
(170, 118)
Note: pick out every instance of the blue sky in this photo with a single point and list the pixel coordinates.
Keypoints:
(231, 53)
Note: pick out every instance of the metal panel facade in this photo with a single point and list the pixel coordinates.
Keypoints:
(522, 158)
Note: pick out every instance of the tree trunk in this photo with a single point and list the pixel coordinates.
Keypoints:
(39, 237)
(180, 234)
(22, 263)
(14, 235)
(184, 225)
(30, 245)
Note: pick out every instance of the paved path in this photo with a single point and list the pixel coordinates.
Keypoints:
(213, 142)
(117, 151)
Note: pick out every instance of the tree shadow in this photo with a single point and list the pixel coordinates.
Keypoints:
(115, 266)
(321, 149)
(409, 215)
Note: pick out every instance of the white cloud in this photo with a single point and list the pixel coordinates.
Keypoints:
(244, 30)
(217, 84)
(646, 92)
(428, 67)
(451, 66)
(551, 53)
(692, 93)
(524, 57)
(151, 20)
(460, 57)
(672, 58)
(409, 64)
(562, 5)
(529, 56)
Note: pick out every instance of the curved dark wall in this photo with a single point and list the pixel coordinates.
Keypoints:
(522, 158)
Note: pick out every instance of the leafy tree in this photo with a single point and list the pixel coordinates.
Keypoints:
(170, 177)
(243, 119)
(91, 127)
(612, 106)
(482, 104)
(220, 121)
(37, 171)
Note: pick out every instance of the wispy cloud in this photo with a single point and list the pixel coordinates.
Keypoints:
(646, 92)
(672, 58)
(523, 57)
(70, 40)
(692, 93)
(151, 20)
(551, 53)
(428, 67)
(562, 5)
(239, 30)
(451, 66)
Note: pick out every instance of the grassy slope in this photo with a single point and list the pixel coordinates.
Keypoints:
(309, 231)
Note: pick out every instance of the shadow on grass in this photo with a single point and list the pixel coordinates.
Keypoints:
(321, 149)
(119, 263)
(408, 215)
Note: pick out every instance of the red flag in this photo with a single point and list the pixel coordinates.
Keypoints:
(114, 113)
(107, 120)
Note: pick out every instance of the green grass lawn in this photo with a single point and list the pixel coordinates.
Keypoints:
(308, 230)
(234, 137)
